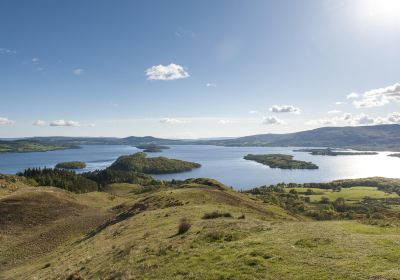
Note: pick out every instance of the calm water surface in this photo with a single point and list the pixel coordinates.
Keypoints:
(225, 164)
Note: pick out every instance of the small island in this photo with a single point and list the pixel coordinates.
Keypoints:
(140, 163)
(151, 148)
(281, 161)
(394, 155)
(71, 165)
(334, 152)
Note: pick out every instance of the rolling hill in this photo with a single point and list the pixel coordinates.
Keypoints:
(378, 137)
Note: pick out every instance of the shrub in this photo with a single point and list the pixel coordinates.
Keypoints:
(242, 217)
(216, 214)
(324, 200)
(184, 226)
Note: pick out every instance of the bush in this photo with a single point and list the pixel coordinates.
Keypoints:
(216, 214)
(324, 200)
(184, 226)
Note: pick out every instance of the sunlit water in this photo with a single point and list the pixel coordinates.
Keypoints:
(225, 164)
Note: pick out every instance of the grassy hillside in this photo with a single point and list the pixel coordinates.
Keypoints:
(124, 233)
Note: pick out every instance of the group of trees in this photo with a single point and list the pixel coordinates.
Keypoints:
(60, 178)
(140, 163)
(324, 209)
(281, 161)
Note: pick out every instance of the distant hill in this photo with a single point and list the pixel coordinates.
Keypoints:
(378, 137)
(131, 140)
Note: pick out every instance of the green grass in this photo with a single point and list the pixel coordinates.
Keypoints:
(353, 194)
(142, 242)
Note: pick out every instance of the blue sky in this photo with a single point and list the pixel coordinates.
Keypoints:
(188, 69)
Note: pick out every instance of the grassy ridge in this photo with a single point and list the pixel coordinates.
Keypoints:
(21, 146)
(126, 235)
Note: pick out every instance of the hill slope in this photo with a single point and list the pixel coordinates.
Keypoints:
(135, 236)
(378, 137)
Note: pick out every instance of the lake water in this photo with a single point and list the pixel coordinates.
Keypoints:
(225, 164)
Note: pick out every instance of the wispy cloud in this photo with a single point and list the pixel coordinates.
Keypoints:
(334, 112)
(272, 120)
(39, 123)
(64, 123)
(321, 122)
(167, 72)
(7, 51)
(223, 122)
(78, 71)
(173, 121)
(35, 60)
(5, 121)
(359, 119)
(284, 109)
(253, 112)
(352, 95)
(379, 97)
(340, 103)
(210, 85)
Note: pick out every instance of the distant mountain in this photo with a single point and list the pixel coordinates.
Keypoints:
(131, 140)
(378, 137)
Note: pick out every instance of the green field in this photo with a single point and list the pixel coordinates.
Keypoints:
(353, 194)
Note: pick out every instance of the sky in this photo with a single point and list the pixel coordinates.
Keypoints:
(196, 69)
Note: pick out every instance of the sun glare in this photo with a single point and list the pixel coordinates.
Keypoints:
(386, 12)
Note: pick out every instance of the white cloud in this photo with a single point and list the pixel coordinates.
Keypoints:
(35, 60)
(224, 122)
(360, 119)
(210, 85)
(340, 103)
(379, 97)
(394, 117)
(347, 116)
(284, 109)
(39, 123)
(334, 112)
(40, 69)
(78, 71)
(253, 112)
(167, 72)
(352, 95)
(4, 121)
(321, 122)
(64, 123)
(7, 51)
(363, 119)
(173, 121)
(272, 120)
